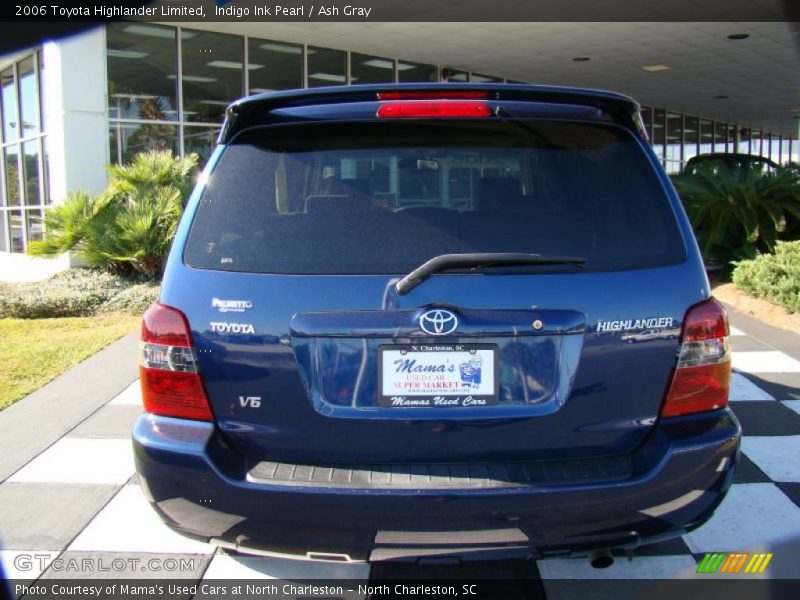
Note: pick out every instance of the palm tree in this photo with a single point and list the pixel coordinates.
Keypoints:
(128, 228)
(736, 215)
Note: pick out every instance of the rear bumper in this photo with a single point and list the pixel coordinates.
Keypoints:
(200, 487)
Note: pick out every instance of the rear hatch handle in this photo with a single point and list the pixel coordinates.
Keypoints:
(478, 260)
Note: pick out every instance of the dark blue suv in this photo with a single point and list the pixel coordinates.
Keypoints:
(394, 324)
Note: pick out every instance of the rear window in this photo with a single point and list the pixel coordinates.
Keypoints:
(384, 197)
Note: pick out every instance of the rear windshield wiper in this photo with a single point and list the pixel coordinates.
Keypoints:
(478, 260)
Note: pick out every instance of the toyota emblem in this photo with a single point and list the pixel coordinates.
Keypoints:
(438, 322)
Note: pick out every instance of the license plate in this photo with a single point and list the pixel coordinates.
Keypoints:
(437, 375)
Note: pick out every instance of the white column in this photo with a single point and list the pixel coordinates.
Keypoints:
(76, 119)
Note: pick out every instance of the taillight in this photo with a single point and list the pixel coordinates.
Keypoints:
(171, 383)
(701, 379)
(409, 109)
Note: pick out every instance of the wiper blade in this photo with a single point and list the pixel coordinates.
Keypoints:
(478, 260)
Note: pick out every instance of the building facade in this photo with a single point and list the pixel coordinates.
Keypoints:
(72, 106)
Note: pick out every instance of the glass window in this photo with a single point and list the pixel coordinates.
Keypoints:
(30, 172)
(755, 142)
(43, 122)
(212, 74)
(200, 140)
(673, 150)
(127, 139)
(454, 75)
(34, 225)
(691, 135)
(9, 100)
(659, 116)
(11, 160)
(721, 137)
(326, 67)
(3, 228)
(733, 132)
(744, 141)
(706, 136)
(28, 97)
(142, 69)
(274, 66)
(370, 69)
(292, 204)
(15, 227)
(22, 182)
(476, 78)
(46, 174)
(408, 72)
(786, 150)
(775, 148)
(647, 119)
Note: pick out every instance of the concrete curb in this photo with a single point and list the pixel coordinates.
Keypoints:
(786, 341)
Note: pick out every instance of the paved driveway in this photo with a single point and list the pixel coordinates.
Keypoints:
(69, 489)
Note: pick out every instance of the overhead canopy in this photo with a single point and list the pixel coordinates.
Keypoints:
(753, 81)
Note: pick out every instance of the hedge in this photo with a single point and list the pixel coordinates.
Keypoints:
(76, 293)
(774, 277)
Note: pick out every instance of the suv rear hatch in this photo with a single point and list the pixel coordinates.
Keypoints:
(311, 355)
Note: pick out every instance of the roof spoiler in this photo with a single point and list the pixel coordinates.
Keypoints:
(257, 110)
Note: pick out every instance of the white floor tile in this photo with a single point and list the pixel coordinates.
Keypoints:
(735, 331)
(26, 565)
(752, 517)
(79, 460)
(792, 404)
(642, 567)
(234, 566)
(129, 524)
(744, 389)
(130, 396)
(777, 456)
(770, 361)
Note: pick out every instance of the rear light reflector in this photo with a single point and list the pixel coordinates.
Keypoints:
(434, 94)
(403, 109)
(701, 379)
(172, 394)
(698, 389)
(171, 383)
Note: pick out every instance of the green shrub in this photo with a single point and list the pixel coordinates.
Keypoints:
(134, 299)
(128, 228)
(736, 215)
(75, 293)
(774, 277)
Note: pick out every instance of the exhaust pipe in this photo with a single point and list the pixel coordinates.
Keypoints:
(601, 559)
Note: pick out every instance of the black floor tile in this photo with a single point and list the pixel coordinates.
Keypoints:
(766, 418)
(781, 386)
(748, 472)
(792, 490)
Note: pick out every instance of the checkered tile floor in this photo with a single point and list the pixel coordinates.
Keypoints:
(80, 499)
